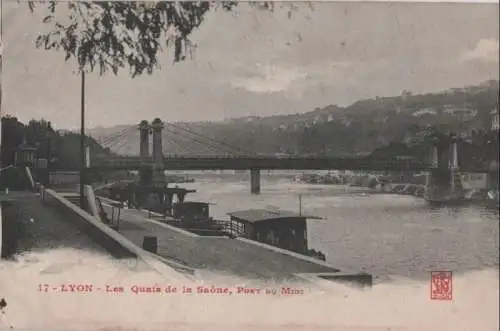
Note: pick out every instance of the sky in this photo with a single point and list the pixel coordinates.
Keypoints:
(255, 63)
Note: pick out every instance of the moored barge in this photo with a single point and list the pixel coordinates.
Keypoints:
(279, 228)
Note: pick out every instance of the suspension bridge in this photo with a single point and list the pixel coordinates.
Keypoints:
(190, 150)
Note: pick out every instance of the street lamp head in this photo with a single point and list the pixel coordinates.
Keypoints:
(143, 125)
(157, 124)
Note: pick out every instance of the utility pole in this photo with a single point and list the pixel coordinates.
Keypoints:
(300, 204)
(1, 75)
(82, 140)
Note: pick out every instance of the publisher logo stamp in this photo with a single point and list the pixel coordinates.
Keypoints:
(441, 285)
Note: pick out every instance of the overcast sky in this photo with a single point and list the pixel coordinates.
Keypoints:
(260, 63)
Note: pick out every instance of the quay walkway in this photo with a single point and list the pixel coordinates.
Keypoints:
(40, 226)
(224, 255)
(43, 221)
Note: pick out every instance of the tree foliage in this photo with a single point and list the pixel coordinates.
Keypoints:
(61, 148)
(110, 35)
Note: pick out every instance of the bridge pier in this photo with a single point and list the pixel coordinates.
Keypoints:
(157, 127)
(158, 167)
(255, 181)
(444, 183)
(144, 130)
(146, 176)
(435, 157)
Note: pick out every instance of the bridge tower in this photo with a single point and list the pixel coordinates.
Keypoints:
(457, 189)
(146, 174)
(157, 128)
(144, 130)
(444, 183)
(255, 181)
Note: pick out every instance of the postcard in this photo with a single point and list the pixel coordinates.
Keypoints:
(258, 165)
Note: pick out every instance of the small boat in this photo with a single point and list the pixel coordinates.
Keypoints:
(493, 195)
(194, 217)
(446, 201)
(317, 254)
(493, 199)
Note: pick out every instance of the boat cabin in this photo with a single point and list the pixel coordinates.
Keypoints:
(191, 213)
(192, 210)
(195, 217)
(282, 229)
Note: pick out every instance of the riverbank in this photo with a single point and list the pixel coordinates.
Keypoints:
(412, 186)
(486, 198)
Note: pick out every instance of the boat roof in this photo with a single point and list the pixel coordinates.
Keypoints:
(26, 147)
(259, 215)
(194, 203)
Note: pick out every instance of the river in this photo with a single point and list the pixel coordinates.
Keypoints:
(385, 235)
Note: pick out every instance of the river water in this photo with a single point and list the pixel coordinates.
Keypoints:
(385, 235)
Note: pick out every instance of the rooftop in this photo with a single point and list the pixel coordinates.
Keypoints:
(195, 203)
(259, 215)
(26, 146)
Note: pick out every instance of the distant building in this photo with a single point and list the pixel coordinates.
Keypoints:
(494, 119)
(474, 181)
(426, 111)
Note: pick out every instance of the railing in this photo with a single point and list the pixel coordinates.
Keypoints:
(271, 163)
(219, 226)
(223, 157)
(365, 161)
(7, 167)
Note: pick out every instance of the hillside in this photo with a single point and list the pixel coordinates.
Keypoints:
(357, 129)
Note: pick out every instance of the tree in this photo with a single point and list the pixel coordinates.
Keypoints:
(112, 35)
(12, 137)
(67, 152)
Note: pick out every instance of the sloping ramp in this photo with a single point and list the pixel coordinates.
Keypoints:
(30, 177)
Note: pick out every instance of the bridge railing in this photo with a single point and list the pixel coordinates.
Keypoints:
(269, 163)
(139, 160)
(235, 162)
(261, 162)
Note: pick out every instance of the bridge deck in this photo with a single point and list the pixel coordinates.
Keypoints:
(270, 163)
(217, 254)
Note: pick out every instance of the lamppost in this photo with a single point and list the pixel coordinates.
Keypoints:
(82, 139)
(48, 135)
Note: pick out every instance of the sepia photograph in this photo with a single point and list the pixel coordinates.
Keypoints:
(249, 165)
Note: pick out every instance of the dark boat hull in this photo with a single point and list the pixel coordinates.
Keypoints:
(491, 204)
(448, 202)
